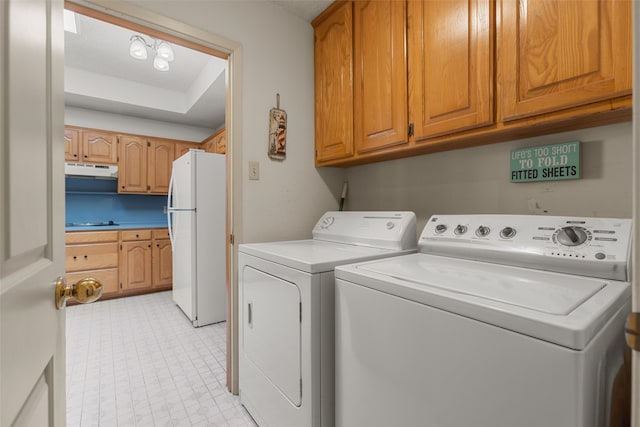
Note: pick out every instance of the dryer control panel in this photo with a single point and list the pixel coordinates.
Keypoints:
(595, 247)
(386, 230)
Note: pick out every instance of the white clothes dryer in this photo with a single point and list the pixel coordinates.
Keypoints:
(286, 310)
(498, 321)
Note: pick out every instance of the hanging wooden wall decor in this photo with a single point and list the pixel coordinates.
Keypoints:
(277, 132)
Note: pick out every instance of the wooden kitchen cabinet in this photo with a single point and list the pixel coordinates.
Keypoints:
(475, 72)
(563, 53)
(216, 143)
(333, 65)
(135, 260)
(161, 259)
(99, 147)
(380, 74)
(182, 147)
(160, 162)
(132, 168)
(221, 143)
(93, 254)
(71, 145)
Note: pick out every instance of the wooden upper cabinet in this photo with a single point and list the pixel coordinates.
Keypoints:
(183, 147)
(380, 74)
(221, 143)
(557, 54)
(98, 147)
(71, 145)
(161, 156)
(132, 170)
(333, 60)
(450, 65)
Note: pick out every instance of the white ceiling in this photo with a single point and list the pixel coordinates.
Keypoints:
(100, 75)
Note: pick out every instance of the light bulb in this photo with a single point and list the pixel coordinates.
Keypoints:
(137, 49)
(165, 51)
(160, 64)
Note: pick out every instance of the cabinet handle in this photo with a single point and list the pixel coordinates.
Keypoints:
(149, 246)
(75, 155)
(85, 156)
(250, 314)
(137, 235)
(157, 245)
(85, 257)
(75, 257)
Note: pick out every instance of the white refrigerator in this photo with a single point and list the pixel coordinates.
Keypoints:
(196, 215)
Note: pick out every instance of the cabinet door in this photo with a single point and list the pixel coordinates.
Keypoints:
(380, 74)
(132, 168)
(162, 263)
(71, 145)
(135, 265)
(221, 144)
(183, 147)
(557, 54)
(333, 59)
(210, 144)
(161, 156)
(450, 66)
(98, 147)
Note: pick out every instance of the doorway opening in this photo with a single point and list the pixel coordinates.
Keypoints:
(151, 37)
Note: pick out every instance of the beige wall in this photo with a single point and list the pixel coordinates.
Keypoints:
(477, 180)
(277, 57)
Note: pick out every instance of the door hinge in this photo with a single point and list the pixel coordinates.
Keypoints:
(410, 129)
(148, 187)
(632, 331)
(117, 140)
(231, 240)
(148, 144)
(300, 312)
(120, 247)
(120, 285)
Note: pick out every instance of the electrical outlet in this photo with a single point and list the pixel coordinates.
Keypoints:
(254, 170)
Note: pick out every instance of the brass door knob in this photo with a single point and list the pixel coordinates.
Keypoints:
(83, 291)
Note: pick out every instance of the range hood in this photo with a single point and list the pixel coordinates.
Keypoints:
(86, 169)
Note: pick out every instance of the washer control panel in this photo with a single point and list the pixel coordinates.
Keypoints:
(598, 247)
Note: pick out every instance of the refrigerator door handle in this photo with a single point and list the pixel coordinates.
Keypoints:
(170, 192)
(169, 213)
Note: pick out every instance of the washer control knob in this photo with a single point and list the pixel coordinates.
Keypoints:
(390, 225)
(507, 232)
(572, 236)
(460, 229)
(441, 228)
(326, 222)
(600, 255)
(483, 231)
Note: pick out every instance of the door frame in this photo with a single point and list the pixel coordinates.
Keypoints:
(155, 25)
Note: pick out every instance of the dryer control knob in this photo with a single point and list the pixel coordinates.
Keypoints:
(572, 236)
(460, 229)
(507, 232)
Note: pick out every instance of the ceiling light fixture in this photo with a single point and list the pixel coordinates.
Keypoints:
(162, 49)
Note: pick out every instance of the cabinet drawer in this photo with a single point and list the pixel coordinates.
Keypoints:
(108, 277)
(91, 236)
(91, 257)
(133, 235)
(161, 233)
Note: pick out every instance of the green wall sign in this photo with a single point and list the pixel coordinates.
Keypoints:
(546, 163)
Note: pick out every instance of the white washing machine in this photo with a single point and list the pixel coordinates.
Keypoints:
(497, 321)
(286, 299)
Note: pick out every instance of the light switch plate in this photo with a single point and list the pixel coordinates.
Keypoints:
(254, 170)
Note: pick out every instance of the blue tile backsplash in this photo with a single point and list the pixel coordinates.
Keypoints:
(97, 200)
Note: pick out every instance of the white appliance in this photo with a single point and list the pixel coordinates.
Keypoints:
(286, 309)
(497, 321)
(196, 213)
(87, 169)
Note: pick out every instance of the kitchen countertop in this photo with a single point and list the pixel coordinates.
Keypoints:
(121, 226)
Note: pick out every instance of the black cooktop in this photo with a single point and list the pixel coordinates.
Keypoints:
(90, 224)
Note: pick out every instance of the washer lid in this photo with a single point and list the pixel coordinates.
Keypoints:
(565, 309)
(315, 256)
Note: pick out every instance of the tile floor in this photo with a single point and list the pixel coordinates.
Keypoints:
(137, 361)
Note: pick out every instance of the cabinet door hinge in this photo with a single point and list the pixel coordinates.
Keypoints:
(148, 187)
(117, 140)
(148, 144)
(120, 285)
(632, 331)
(120, 247)
(410, 129)
(316, 154)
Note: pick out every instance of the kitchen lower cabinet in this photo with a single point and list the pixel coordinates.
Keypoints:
(93, 255)
(135, 260)
(161, 259)
(125, 262)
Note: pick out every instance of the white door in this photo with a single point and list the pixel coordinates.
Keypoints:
(32, 375)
